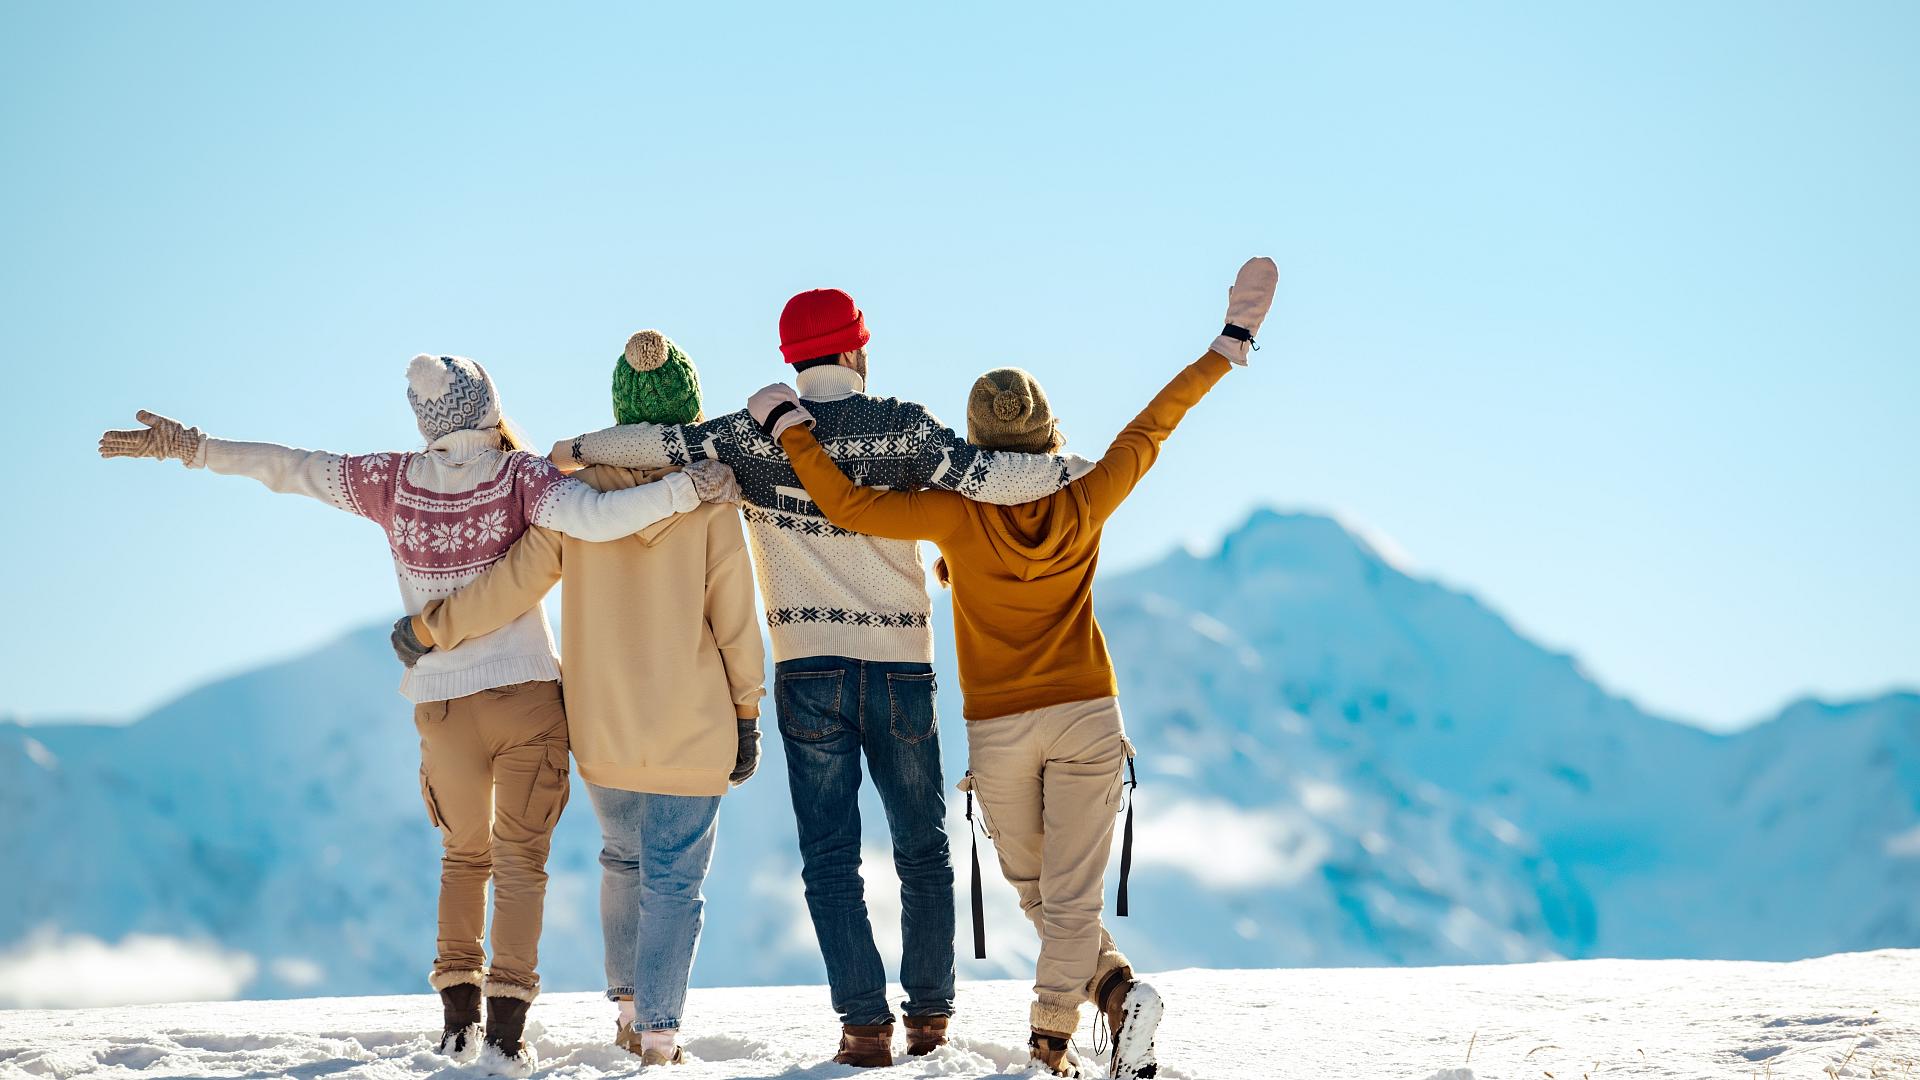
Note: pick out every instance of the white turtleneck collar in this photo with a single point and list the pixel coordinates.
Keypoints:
(462, 446)
(829, 382)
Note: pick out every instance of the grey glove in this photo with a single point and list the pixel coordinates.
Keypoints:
(405, 645)
(747, 758)
(161, 438)
(713, 482)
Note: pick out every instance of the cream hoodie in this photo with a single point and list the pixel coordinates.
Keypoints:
(662, 647)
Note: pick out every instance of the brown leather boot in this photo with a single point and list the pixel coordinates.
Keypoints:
(925, 1034)
(460, 1019)
(866, 1046)
(1053, 1052)
(1132, 1011)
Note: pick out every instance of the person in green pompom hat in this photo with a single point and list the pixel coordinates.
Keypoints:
(665, 671)
(655, 383)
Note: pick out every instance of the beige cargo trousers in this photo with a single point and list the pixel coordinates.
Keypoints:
(1049, 784)
(493, 772)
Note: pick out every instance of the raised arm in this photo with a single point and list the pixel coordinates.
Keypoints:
(1138, 445)
(335, 479)
(502, 593)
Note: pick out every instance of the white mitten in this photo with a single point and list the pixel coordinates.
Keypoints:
(1247, 303)
(776, 408)
(161, 438)
(713, 482)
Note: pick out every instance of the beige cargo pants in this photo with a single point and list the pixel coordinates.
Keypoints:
(493, 771)
(1048, 782)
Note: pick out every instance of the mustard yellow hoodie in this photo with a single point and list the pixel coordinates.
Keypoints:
(662, 646)
(1022, 576)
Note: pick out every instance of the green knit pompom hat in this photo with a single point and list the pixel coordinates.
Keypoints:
(654, 383)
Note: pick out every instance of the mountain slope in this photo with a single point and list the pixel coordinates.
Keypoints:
(1340, 764)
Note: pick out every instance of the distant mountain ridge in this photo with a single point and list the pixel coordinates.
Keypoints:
(1341, 763)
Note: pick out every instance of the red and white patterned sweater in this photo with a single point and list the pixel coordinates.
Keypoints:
(449, 513)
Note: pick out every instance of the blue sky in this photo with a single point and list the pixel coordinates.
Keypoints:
(1606, 314)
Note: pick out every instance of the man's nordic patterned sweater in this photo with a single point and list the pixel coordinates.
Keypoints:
(448, 514)
(830, 592)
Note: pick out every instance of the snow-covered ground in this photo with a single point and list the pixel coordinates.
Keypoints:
(1854, 1015)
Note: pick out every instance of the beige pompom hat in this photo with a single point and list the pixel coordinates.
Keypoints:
(1008, 410)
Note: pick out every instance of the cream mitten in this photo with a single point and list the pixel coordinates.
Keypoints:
(1247, 303)
(713, 482)
(776, 408)
(161, 438)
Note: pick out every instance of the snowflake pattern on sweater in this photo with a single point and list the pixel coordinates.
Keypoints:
(442, 539)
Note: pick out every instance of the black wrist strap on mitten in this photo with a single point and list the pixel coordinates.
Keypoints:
(1238, 333)
(773, 417)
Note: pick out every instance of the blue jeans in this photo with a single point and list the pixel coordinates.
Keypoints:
(832, 710)
(654, 854)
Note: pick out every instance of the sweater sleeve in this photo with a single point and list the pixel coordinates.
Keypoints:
(502, 593)
(289, 470)
(900, 515)
(564, 504)
(1137, 446)
(730, 614)
(943, 459)
(657, 446)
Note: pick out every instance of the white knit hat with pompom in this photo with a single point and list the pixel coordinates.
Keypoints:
(450, 393)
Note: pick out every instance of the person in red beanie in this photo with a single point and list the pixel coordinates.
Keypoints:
(849, 618)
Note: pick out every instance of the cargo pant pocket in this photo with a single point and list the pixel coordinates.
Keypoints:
(551, 789)
(433, 805)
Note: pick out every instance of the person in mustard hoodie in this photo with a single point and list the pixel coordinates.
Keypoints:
(664, 672)
(1046, 746)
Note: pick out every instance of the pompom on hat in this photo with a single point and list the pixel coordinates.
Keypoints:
(449, 394)
(655, 383)
(1007, 410)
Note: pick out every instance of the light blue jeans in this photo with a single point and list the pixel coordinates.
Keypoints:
(654, 854)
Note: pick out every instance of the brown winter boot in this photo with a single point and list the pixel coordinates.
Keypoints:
(865, 1046)
(460, 1016)
(1053, 1052)
(1131, 1010)
(506, 1023)
(925, 1034)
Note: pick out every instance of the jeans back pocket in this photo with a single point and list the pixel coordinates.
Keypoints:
(910, 704)
(808, 703)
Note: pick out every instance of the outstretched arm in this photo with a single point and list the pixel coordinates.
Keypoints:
(501, 594)
(316, 474)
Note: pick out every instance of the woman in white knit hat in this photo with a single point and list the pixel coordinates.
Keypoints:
(493, 731)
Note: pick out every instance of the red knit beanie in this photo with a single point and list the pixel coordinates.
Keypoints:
(820, 322)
